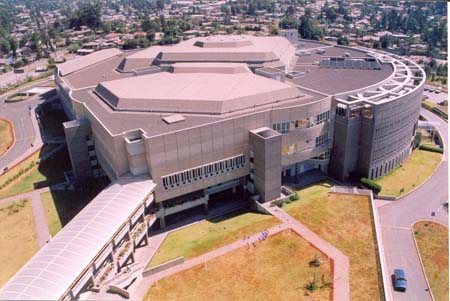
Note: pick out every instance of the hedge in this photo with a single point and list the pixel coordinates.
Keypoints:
(427, 106)
(442, 114)
(431, 149)
(375, 187)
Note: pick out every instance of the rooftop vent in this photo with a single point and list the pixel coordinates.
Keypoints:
(173, 119)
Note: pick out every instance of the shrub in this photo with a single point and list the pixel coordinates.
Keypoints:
(316, 261)
(294, 197)
(430, 148)
(311, 286)
(372, 185)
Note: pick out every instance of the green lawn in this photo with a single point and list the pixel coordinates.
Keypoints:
(416, 169)
(6, 136)
(276, 269)
(49, 172)
(211, 234)
(61, 206)
(346, 222)
(18, 241)
(432, 240)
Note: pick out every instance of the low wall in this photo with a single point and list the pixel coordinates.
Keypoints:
(163, 266)
(386, 197)
(122, 292)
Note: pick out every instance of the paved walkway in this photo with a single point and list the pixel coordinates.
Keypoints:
(40, 220)
(341, 277)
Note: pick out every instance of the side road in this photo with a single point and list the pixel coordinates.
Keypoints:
(396, 218)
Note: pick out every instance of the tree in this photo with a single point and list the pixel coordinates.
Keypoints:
(88, 14)
(14, 45)
(130, 44)
(150, 36)
(4, 46)
(160, 4)
(288, 23)
(308, 29)
(343, 41)
(273, 30)
(385, 42)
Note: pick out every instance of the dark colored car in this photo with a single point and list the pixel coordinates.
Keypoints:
(400, 282)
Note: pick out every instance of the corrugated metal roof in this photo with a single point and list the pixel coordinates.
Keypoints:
(55, 268)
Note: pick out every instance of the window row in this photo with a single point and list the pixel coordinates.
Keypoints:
(286, 127)
(205, 171)
(322, 139)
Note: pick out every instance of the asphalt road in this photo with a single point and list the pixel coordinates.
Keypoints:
(24, 132)
(397, 217)
(436, 97)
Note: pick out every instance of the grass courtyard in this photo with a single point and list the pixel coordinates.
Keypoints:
(277, 269)
(417, 168)
(46, 173)
(18, 241)
(6, 136)
(346, 222)
(211, 234)
(432, 240)
(61, 206)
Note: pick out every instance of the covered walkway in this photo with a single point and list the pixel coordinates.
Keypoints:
(81, 251)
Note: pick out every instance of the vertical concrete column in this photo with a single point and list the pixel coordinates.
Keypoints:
(206, 197)
(162, 219)
(266, 146)
(76, 132)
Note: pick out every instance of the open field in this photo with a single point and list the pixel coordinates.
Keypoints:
(432, 240)
(46, 173)
(61, 206)
(416, 169)
(346, 222)
(277, 269)
(18, 241)
(211, 234)
(6, 136)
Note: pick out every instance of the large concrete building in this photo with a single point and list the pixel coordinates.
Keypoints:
(227, 112)
(186, 115)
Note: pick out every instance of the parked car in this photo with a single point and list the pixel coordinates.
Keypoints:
(400, 282)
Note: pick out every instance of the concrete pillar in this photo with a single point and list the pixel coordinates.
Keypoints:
(266, 146)
(206, 196)
(206, 206)
(162, 219)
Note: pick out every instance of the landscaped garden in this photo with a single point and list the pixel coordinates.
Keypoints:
(432, 240)
(18, 241)
(346, 222)
(279, 268)
(211, 234)
(417, 168)
(29, 175)
(17, 97)
(6, 136)
(61, 206)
